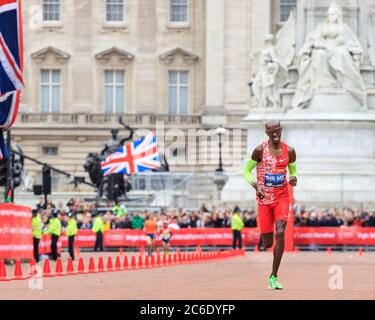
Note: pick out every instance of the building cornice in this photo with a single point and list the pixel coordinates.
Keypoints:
(168, 56)
(60, 55)
(106, 55)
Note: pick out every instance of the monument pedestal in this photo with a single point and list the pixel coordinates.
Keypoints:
(335, 156)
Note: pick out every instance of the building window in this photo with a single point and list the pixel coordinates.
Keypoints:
(178, 92)
(51, 10)
(114, 91)
(115, 10)
(179, 10)
(50, 91)
(286, 6)
(50, 151)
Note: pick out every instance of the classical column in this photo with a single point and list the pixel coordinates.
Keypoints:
(81, 68)
(145, 58)
(215, 76)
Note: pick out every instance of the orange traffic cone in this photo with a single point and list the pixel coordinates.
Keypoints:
(81, 266)
(164, 261)
(142, 250)
(140, 262)
(178, 258)
(3, 272)
(59, 268)
(329, 250)
(121, 251)
(109, 264)
(47, 269)
(92, 266)
(118, 264)
(125, 263)
(158, 260)
(18, 275)
(133, 264)
(101, 265)
(152, 263)
(360, 252)
(70, 267)
(296, 250)
(147, 262)
(170, 259)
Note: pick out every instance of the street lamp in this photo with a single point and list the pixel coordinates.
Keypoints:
(220, 177)
(220, 131)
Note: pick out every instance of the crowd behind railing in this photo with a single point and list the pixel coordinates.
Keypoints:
(117, 216)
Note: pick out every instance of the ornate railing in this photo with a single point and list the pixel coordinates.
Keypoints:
(105, 119)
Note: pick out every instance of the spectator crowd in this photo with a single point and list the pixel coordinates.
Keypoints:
(117, 216)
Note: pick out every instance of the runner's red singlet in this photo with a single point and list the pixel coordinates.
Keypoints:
(271, 173)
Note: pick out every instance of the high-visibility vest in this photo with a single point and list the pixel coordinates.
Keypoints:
(71, 228)
(54, 227)
(98, 225)
(236, 222)
(37, 225)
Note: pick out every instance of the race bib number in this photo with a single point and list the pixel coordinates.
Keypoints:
(274, 180)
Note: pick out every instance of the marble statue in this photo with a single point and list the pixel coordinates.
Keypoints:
(272, 63)
(329, 61)
(371, 38)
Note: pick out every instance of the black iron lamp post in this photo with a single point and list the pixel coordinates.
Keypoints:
(220, 178)
(220, 131)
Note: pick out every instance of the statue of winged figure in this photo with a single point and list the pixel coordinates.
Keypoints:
(272, 65)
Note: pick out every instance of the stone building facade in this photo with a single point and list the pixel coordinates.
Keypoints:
(183, 63)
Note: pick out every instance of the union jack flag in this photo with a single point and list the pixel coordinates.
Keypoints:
(11, 65)
(138, 156)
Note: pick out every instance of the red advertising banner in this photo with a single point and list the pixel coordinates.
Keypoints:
(15, 232)
(221, 237)
(45, 245)
(332, 235)
(182, 237)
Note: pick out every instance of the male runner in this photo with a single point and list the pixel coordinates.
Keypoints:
(166, 234)
(271, 159)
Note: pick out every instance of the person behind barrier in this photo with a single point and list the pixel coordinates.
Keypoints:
(237, 225)
(138, 221)
(54, 229)
(36, 223)
(98, 229)
(71, 231)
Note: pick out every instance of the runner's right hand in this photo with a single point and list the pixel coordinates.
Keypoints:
(260, 191)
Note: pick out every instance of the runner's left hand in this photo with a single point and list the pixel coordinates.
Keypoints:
(293, 181)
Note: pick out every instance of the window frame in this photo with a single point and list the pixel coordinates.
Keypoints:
(279, 10)
(51, 3)
(50, 90)
(49, 155)
(178, 24)
(107, 24)
(122, 13)
(113, 86)
(178, 85)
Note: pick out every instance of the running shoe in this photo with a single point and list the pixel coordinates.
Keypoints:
(273, 283)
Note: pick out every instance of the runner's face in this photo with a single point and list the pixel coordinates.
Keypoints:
(274, 132)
